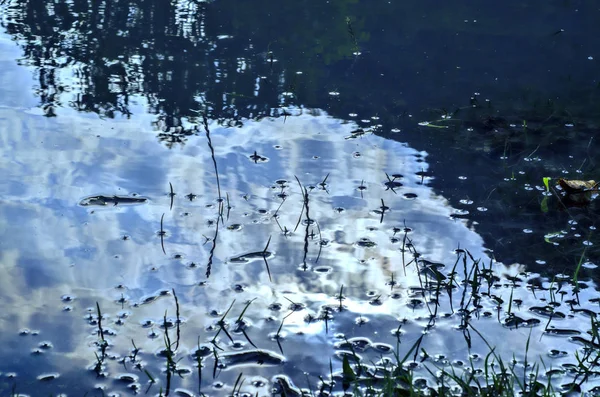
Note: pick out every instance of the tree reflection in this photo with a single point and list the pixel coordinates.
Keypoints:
(232, 60)
(217, 57)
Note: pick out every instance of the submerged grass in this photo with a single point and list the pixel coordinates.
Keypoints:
(498, 377)
(492, 375)
(463, 288)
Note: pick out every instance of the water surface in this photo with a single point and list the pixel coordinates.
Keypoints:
(333, 213)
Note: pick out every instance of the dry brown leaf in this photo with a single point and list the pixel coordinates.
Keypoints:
(574, 186)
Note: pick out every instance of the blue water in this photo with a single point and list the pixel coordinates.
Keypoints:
(113, 119)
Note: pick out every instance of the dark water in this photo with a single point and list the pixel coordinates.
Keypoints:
(357, 145)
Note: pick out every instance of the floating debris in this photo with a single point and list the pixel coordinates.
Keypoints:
(513, 321)
(546, 311)
(103, 201)
(250, 357)
(355, 134)
(252, 256)
(562, 331)
(48, 377)
(256, 158)
(578, 192)
(366, 243)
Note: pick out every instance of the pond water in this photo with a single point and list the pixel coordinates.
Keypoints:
(269, 191)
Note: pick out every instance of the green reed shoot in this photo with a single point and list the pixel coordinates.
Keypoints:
(152, 380)
(264, 255)
(162, 234)
(239, 381)
(352, 35)
(577, 269)
(103, 343)
(212, 152)
(348, 374)
(221, 323)
(229, 207)
(169, 355)
(171, 196)
(304, 202)
(199, 359)
(239, 321)
(510, 300)
(340, 298)
(323, 183)
(216, 359)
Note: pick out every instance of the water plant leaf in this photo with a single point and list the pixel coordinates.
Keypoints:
(348, 373)
(430, 125)
(553, 235)
(546, 180)
(544, 204)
